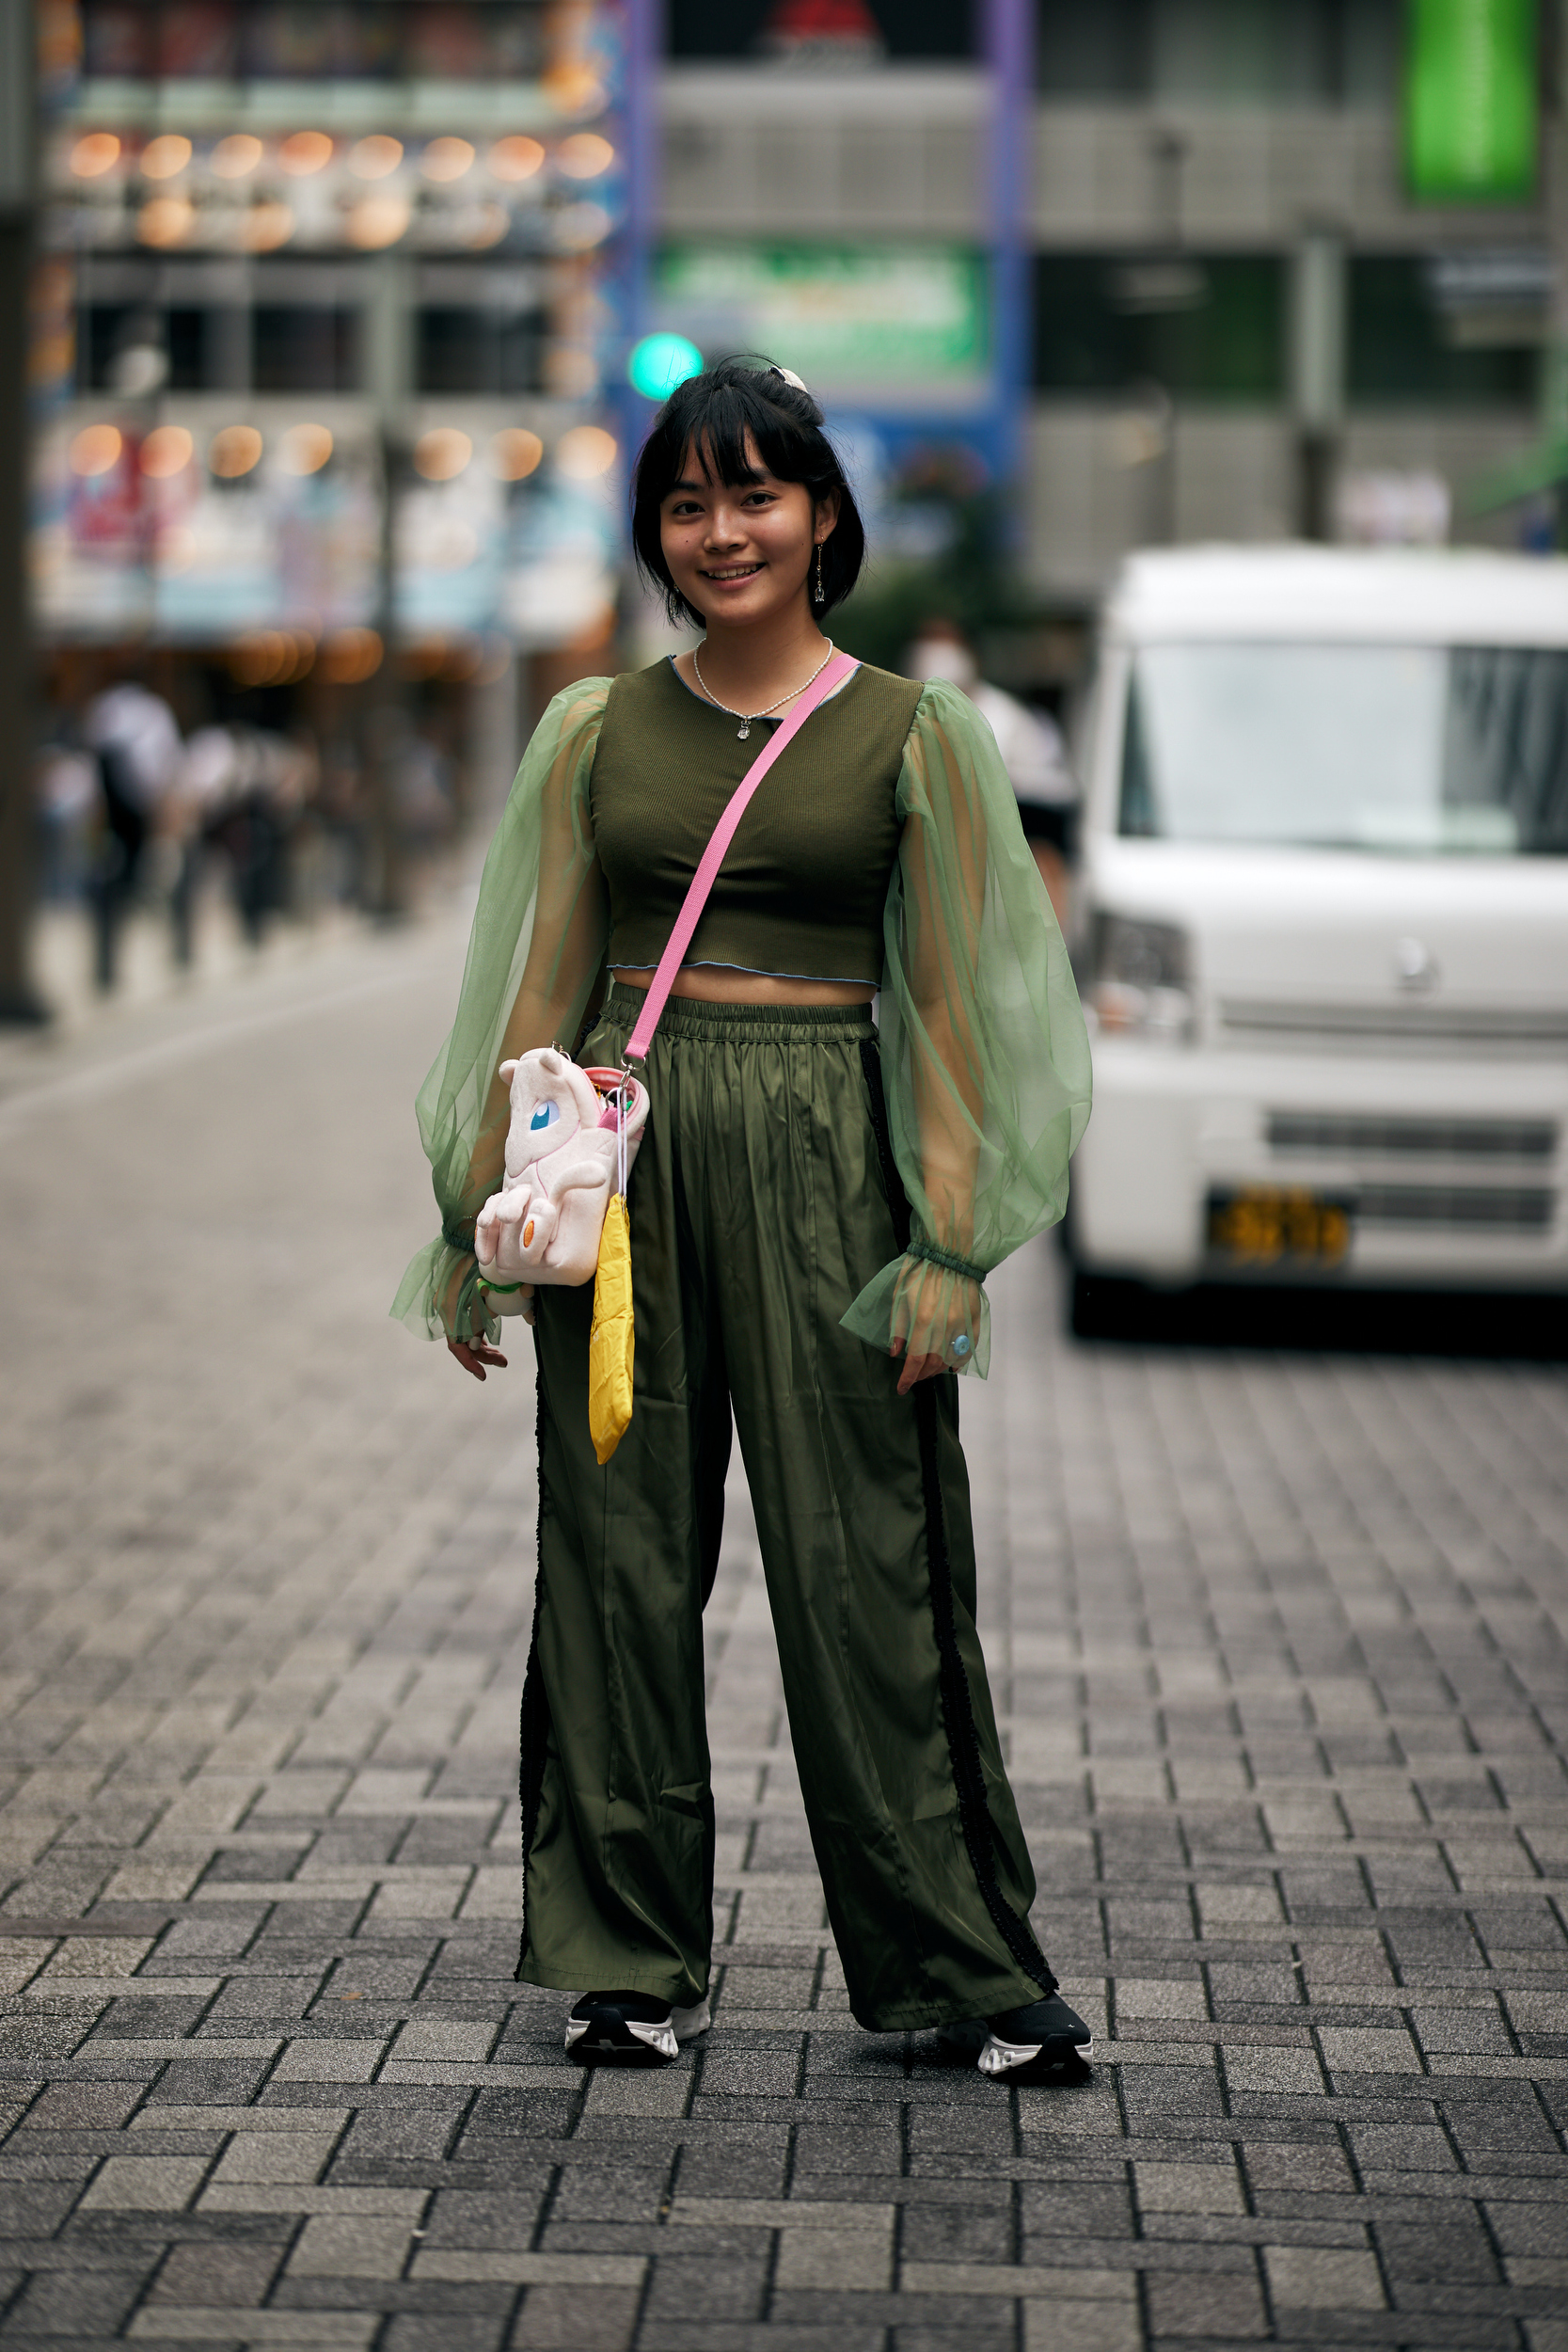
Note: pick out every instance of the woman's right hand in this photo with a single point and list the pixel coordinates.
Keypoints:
(473, 1355)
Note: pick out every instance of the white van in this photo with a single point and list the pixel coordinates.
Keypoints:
(1323, 923)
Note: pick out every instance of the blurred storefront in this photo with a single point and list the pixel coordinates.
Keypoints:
(329, 303)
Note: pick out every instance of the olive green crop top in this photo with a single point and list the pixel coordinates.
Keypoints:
(804, 884)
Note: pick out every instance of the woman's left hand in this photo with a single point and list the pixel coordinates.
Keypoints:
(933, 1304)
(916, 1368)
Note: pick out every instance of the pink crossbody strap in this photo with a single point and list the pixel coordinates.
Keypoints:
(842, 666)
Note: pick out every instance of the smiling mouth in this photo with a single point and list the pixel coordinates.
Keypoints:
(731, 571)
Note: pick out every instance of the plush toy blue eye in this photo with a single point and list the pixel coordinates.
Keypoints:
(546, 1116)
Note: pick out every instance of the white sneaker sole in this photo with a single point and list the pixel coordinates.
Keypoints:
(663, 2040)
(1005, 2057)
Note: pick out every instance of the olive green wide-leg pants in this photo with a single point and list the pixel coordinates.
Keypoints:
(762, 1199)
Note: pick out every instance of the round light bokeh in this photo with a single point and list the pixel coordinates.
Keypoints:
(167, 450)
(586, 452)
(661, 361)
(166, 220)
(513, 454)
(166, 157)
(516, 158)
(350, 655)
(305, 449)
(304, 151)
(442, 453)
(377, 221)
(584, 157)
(234, 450)
(96, 450)
(237, 156)
(373, 157)
(447, 159)
(486, 225)
(265, 227)
(94, 153)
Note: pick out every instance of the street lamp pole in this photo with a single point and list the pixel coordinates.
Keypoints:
(389, 375)
(18, 1000)
(1317, 374)
(1007, 44)
(1554, 166)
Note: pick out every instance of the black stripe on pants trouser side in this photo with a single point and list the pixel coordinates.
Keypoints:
(958, 1709)
(534, 1729)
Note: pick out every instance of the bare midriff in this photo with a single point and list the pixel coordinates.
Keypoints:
(723, 984)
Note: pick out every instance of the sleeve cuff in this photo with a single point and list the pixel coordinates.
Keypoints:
(439, 1297)
(932, 1302)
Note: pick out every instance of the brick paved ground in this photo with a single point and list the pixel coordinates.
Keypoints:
(1278, 1642)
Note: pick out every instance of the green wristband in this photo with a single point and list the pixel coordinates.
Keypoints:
(498, 1287)
(947, 1258)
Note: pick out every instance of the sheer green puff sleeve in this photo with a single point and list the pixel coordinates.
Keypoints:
(535, 954)
(985, 1056)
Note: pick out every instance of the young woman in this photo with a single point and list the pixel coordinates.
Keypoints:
(814, 1211)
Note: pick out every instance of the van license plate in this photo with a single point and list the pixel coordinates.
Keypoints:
(1278, 1225)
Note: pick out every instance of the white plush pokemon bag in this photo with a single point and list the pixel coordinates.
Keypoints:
(564, 1165)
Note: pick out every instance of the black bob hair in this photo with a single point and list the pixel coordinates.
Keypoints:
(711, 414)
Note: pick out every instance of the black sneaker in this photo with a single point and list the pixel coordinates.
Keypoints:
(632, 2028)
(1046, 2033)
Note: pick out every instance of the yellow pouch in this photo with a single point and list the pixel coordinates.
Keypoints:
(614, 1336)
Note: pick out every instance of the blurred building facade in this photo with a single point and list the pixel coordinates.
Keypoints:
(334, 300)
(1242, 322)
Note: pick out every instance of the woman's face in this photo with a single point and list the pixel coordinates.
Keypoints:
(741, 553)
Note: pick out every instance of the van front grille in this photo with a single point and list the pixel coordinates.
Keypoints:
(1409, 1028)
(1470, 1208)
(1351, 1134)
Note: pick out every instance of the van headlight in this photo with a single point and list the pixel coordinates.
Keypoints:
(1141, 981)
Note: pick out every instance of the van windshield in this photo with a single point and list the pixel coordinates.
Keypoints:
(1416, 749)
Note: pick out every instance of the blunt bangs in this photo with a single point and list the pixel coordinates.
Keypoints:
(712, 415)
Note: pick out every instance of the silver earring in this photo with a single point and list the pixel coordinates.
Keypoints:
(817, 594)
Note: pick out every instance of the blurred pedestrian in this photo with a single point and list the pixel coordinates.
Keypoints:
(813, 1212)
(68, 797)
(343, 809)
(1032, 751)
(211, 781)
(248, 786)
(279, 771)
(423, 781)
(136, 739)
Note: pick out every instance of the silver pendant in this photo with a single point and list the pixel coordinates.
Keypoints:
(743, 730)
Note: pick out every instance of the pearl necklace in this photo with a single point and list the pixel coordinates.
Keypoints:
(745, 727)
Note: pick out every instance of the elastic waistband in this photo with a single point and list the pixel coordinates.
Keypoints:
(690, 1017)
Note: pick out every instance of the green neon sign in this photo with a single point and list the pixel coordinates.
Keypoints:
(872, 322)
(1470, 100)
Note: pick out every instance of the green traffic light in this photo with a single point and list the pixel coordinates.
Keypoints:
(661, 361)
